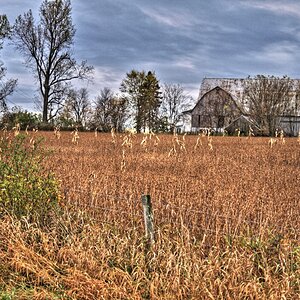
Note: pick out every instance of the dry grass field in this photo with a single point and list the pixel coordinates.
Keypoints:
(226, 216)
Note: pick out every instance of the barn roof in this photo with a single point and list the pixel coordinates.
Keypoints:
(234, 86)
(202, 95)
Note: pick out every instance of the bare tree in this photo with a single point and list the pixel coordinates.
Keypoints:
(78, 106)
(6, 87)
(46, 47)
(174, 102)
(110, 111)
(4, 29)
(269, 98)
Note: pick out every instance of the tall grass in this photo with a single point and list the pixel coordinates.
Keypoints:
(225, 212)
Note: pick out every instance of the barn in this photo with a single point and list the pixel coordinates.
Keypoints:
(221, 106)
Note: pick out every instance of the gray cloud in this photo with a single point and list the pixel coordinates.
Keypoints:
(182, 41)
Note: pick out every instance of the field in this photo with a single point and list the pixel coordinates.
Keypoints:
(226, 220)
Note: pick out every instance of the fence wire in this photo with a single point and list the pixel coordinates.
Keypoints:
(218, 225)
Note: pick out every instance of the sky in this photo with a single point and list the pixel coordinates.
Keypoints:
(182, 41)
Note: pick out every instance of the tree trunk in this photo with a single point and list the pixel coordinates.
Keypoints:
(45, 104)
(45, 110)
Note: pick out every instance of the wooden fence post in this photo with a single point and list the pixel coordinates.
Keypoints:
(148, 217)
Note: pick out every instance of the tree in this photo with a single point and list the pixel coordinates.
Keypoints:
(110, 111)
(19, 116)
(6, 87)
(268, 99)
(78, 106)
(174, 102)
(143, 93)
(46, 47)
(151, 101)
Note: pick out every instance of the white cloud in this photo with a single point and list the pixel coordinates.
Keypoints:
(278, 7)
(277, 53)
(103, 77)
(273, 59)
(185, 63)
(169, 17)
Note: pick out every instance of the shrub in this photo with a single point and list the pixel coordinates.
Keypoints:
(21, 117)
(26, 187)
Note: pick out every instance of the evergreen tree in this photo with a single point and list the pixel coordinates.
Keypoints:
(143, 93)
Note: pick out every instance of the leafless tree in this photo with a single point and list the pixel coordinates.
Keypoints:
(268, 99)
(6, 86)
(110, 111)
(47, 48)
(78, 106)
(174, 102)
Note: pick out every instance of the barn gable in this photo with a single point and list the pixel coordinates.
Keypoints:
(233, 86)
(215, 109)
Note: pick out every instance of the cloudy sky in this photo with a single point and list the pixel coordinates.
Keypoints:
(183, 41)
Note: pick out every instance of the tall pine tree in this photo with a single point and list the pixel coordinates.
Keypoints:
(142, 91)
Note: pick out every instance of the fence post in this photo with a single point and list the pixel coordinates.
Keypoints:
(148, 217)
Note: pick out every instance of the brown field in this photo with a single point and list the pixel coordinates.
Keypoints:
(226, 217)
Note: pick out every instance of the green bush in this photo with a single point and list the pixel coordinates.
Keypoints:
(21, 117)
(27, 189)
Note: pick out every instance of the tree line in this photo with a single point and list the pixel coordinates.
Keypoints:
(46, 46)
